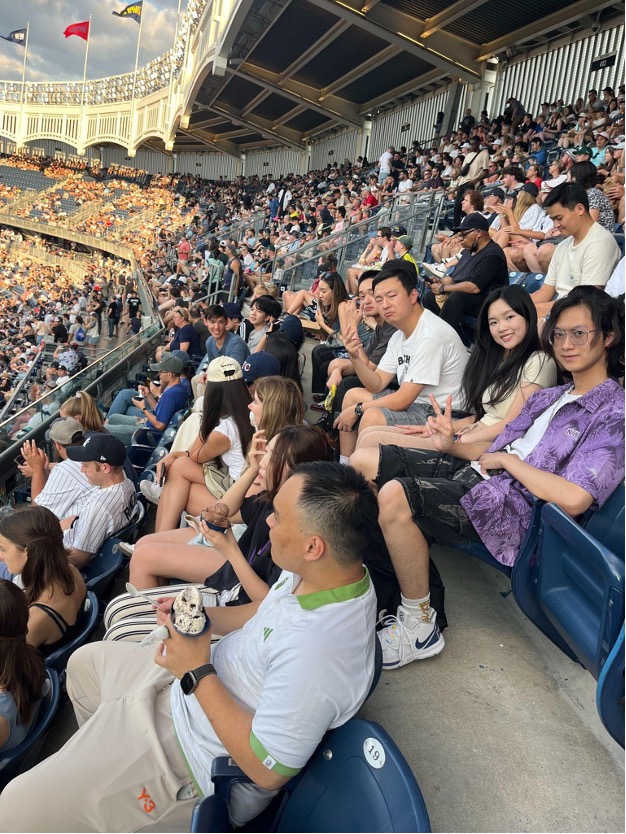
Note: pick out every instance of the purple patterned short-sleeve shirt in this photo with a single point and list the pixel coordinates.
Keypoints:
(584, 443)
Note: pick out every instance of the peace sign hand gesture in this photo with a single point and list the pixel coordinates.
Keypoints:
(440, 426)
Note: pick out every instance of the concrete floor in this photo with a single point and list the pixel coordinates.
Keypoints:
(501, 729)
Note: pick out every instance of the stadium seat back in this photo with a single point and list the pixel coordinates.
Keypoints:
(125, 533)
(581, 579)
(87, 618)
(11, 761)
(610, 691)
(103, 569)
(357, 780)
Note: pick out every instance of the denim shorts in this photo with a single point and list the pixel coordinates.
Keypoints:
(434, 484)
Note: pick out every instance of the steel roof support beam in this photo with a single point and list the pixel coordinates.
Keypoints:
(221, 145)
(284, 136)
(552, 21)
(290, 114)
(449, 15)
(313, 51)
(333, 108)
(372, 63)
(455, 55)
(410, 87)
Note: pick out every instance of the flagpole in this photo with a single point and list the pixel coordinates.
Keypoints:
(85, 67)
(24, 65)
(169, 94)
(137, 55)
(23, 96)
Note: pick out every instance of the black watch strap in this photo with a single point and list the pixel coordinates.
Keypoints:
(190, 680)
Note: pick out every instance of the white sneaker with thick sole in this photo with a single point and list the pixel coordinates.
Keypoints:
(150, 490)
(436, 271)
(127, 548)
(404, 638)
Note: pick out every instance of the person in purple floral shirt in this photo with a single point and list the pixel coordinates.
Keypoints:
(566, 446)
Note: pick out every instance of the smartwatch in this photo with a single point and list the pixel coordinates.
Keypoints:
(358, 409)
(190, 680)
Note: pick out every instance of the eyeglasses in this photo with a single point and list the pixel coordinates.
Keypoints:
(467, 232)
(578, 336)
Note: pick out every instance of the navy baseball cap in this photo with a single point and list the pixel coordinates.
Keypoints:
(258, 365)
(101, 448)
(232, 310)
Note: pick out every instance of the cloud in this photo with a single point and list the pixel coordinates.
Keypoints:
(112, 46)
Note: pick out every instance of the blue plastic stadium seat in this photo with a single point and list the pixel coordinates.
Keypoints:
(87, 618)
(577, 602)
(104, 567)
(357, 780)
(619, 239)
(126, 533)
(581, 580)
(610, 691)
(11, 761)
(479, 551)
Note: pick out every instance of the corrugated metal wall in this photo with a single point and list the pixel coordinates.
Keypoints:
(343, 146)
(561, 72)
(279, 161)
(421, 116)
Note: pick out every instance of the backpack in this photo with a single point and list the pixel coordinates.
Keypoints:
(79, 336)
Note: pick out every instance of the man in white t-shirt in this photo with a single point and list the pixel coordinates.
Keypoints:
(265, 695)
(384, 165)
(426, 356)
(587, 256)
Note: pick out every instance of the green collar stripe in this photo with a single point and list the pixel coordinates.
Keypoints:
(269, 761)
(342, 594)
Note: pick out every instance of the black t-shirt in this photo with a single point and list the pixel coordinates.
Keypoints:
(486, 269)
(255, 546)
(133, 306)
(60, 333)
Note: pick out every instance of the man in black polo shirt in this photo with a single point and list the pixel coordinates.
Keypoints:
(481, 268)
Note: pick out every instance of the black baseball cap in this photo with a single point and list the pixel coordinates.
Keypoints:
(101, 448)
(475, 220)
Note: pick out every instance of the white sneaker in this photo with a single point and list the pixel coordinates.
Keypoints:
(405, 638)
(127, 548)
(150, 490)
(436, 271)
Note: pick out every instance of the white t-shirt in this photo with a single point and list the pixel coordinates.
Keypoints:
(102, 513)
(385, 162)
(65, 490)
(234, 458)
(433, 356)
(288, 668)
(540, 369)
(591, 262)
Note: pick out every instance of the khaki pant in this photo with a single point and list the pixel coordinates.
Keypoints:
(122, 770)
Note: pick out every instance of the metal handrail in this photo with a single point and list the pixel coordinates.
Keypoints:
(421, 207)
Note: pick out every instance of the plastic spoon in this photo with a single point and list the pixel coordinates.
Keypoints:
(135, 593)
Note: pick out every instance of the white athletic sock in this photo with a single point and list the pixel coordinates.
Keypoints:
(418, 608)
(345, 459)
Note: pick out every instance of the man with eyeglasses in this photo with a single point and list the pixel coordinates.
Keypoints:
(587, 256)
(481, 268)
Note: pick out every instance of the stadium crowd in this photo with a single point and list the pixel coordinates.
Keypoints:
(283, 535)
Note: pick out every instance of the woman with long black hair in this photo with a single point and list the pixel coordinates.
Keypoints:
(506, 366)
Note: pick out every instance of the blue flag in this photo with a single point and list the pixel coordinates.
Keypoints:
(17, 36)
(133, 10)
